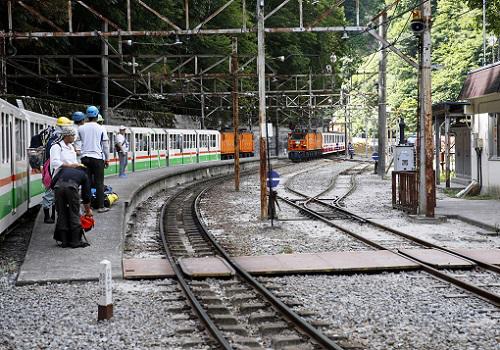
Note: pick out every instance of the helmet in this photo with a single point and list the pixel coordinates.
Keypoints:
(63, 121)
(100, 119)
(92, 112)
(87, 222)
(78, 116)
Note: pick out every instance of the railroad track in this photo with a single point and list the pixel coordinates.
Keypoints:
(239, 312)
(396, 244)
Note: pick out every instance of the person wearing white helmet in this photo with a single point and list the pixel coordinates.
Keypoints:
(121, 147)
(95, 153)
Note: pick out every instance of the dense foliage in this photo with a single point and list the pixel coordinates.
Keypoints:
(456, 34)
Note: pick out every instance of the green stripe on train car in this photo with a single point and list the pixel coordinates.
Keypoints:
(141, 165)
(188, 160)
(6, 205)
(36, 188)
(163, 162)
(111, 170)
(174, 161)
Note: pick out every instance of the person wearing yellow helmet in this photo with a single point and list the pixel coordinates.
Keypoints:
(63, 121)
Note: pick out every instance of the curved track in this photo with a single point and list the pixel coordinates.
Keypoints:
(335, 208)
(238, 312)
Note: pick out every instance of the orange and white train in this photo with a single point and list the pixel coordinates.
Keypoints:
(306, 145)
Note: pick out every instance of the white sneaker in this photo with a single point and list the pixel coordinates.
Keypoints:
(102, 210)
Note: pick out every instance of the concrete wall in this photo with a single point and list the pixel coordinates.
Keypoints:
(490, 163)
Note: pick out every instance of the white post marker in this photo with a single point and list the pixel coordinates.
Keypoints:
(105, 304)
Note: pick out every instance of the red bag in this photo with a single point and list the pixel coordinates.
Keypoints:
(87, 222)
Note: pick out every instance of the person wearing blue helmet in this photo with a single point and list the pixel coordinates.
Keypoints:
(95, 153)
(79, 119)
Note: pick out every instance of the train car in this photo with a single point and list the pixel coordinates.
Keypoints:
(246, 144)
(208, 145)
(333, 143)
(304, 145)
(149, 148)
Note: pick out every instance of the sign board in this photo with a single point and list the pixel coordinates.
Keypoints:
(269, 129)
(375, 156)
(273, 179)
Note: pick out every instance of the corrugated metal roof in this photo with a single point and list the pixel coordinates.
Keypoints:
(480, 82)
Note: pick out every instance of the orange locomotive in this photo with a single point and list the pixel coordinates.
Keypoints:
(304, 145)
(227, 144)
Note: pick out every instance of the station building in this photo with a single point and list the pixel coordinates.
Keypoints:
(482, 92)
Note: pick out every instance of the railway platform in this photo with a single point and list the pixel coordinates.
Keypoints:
(47, 262)
(482, 213)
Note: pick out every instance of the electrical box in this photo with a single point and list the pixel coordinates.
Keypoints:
(404, 158)
(477, 142)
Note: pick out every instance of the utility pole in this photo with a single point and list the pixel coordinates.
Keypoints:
(3, 69)
(202, 97)
(426, 174)
(236, 114)
(104, 81)
(261, 72)
(382, 96)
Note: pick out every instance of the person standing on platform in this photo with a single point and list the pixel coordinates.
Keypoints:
(95, 154)
(350, 150)
(121, 146)
(48, 200)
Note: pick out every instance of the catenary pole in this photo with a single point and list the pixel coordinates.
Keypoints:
(382, 96)
(104, 79)
(236, 114)
(261, 70)
(426, 175)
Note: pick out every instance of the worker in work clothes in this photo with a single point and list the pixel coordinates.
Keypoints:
(66, 184)
(350, 150)
(95, 153)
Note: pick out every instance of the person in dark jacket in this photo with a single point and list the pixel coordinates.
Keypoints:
(66, 184)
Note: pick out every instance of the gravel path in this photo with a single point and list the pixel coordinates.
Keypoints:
(404, 311)
(64, 316)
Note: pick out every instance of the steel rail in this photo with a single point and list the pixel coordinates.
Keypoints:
(491, 298)
(210, 325)
(420, 241)
(299, 323)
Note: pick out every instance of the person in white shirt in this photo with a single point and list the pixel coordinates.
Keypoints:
(62, 153)
(95, 153)
(121, 146)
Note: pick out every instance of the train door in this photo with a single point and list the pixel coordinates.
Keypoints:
(174, 148)
(162, 149)
(20, 177)
(6, 171)
(113, 155)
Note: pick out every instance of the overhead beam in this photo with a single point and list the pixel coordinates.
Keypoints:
(162, 33)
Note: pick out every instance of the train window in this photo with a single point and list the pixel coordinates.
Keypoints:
(6, 144)
(19, 129)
